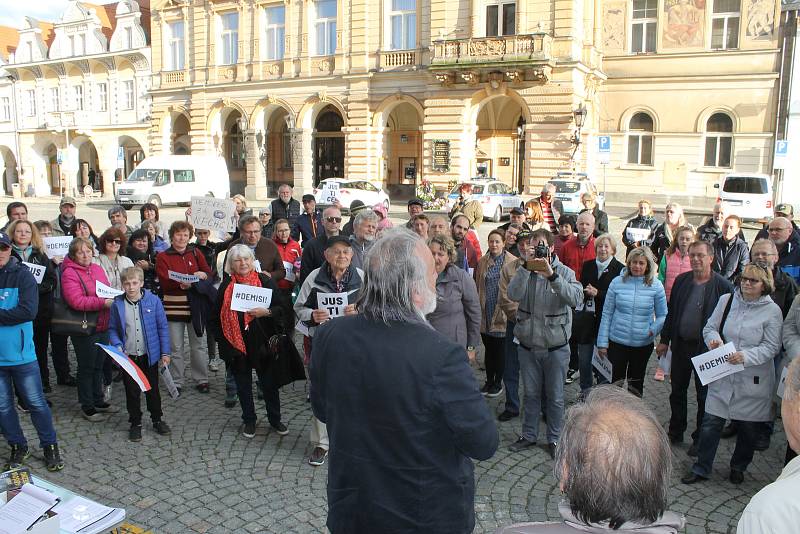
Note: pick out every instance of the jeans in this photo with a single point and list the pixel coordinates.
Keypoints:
(682, 370)
(28, 382)
(199, 361)
(133, 395)
(631, 363)
(90, 368)
(708, 441)
(511, 371)
(494, 358)
(230, 382)
(244, 387)
(585, 353)
(543, 371)
(58, 352)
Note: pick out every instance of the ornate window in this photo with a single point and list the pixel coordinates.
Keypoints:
(55, 99)
(77, 97)
(102, 97)
(640, 139)
(643, 26)
(128, 95)
(176, 58)
(403, 24)
(501, 18)
(275, 33)
(725, 24)
(718, 141)
(229, 37)
(30, 103)
(325, 27)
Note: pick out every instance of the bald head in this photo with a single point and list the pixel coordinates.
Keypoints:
(585, 226)
(780, 230)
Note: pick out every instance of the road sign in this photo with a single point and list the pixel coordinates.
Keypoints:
(781, 154)
(120, 158)
(60, 157)
(604, 148)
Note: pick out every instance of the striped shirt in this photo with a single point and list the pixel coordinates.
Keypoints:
(547, 213)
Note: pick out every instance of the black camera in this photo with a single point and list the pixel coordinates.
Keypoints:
(541, 251)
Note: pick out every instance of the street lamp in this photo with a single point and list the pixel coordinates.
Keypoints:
(579, 116)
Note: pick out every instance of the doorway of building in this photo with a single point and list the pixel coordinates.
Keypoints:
(328, 145)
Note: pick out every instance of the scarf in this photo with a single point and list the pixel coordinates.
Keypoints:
(229, 318)
(24, 253)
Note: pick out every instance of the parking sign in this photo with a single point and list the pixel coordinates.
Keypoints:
(604, 148)
(781, 153)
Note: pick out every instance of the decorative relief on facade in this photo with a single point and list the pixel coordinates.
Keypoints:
(614, 27)
(683, 24)
(445, 78)
(760, 19)
(471, 77)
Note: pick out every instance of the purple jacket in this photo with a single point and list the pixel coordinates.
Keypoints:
(74, 294)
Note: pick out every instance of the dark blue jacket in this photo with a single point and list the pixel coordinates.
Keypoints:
(403, 427)
(302, 227)
(19, 303)
(154, 321)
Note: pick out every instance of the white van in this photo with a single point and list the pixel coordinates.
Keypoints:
(173, 180)
(748, 195)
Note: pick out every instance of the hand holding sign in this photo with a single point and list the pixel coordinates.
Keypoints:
(57, 246)
(330, 193)
(105, 292)
(36, 270)
(333, 303)
(211, 213)
(716, 363)
(246, 298)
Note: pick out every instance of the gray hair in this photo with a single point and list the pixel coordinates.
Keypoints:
(236, 252)
(791, 390)
(393, 273)
(117, 209)
(365, 215)
(613, 459)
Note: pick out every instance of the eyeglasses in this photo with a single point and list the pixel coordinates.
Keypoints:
(333, 219)
(749, 280)
(116, 241)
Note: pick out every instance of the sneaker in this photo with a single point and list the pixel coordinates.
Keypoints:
(495, 390)
(162, 428)
(485, 389)
(318, 456)
(107, 394)
(507, 416)
(249, 430)
(19, 453)
(230, 401)
(106, 408)
(52, 458)
(551, 448)
(570, 376)
(280, 429)
(135, 433)
(521, 444)
(68, 380)
(93, 415)
(213, 365)
(203, 388)
(659, 376)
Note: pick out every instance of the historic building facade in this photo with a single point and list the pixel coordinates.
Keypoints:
(81, 97)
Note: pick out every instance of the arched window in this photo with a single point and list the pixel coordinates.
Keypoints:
(719, 141)
(640, 139)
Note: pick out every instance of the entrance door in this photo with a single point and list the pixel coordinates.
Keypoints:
(484, 168)
(329, 158)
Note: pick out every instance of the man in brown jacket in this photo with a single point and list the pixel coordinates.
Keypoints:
(267, 254)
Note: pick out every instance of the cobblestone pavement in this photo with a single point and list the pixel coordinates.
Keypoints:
(207, 477)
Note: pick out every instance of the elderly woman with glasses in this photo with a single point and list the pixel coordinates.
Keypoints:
(752, 322)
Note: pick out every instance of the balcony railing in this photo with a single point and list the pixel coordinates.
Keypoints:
(534, 47)
(176, 77)
(398, 59)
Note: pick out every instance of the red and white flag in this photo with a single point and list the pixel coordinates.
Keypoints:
(127, 364)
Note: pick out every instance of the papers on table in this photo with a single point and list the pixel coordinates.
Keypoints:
(183, 278)
(57, 246)
(603, 365)
(105, 292)
(25, 509)
(289, 267)
(79, 514)
(335, 303)
(637, 234)
(127, 364)
(713, 365)
(36, 270)
(246, 298)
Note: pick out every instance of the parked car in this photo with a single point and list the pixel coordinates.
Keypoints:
(496, 197)
(569, 188)
(349, 191)
(173, 179)
(748, 195)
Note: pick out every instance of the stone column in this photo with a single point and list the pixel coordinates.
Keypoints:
(256, 187)
(303, 152)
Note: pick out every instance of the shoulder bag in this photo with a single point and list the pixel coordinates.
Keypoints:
(67, 321)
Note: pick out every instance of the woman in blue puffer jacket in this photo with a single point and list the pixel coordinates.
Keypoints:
(634, 313)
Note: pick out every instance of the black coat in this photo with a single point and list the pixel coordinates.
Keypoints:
(403, 425)
(37, 257)
(661, 240)
(313, 255)
(730, 258)
(586, 332)
(648, 222)
(290, 211)
(681, 290)
(785, 290)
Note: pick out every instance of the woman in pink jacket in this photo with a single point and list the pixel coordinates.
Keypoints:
(78, 277)
(383, 217)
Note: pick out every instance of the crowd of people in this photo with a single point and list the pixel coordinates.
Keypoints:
(550, 297)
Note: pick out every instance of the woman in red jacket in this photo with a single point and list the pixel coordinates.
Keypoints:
(78, 278)
(182, 259)
(290, 254)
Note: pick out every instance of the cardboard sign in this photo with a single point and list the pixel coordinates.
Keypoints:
(335, 303)
(713, 365)
(183, 278)
(782, 382)
(289, 267)
(603, 365)
(36, 270)
(635, 235)
(246, 298)
(57, 246)
(214, 214)
(330, 193)
(105, 292)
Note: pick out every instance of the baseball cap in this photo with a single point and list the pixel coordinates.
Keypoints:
(4, 239)
(516, 211)
(338, 239)
(784, 208)
(416, 201)
(67, 200)
(308, 197)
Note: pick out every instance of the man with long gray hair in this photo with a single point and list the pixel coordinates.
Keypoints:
(365, 226)
(403, 424)
(613, 464)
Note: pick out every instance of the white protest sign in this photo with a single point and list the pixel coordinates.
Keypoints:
(290, 276)
(210, 213)
(183, 278)
(36, 270)
(603, 365)
(637, 234)
(666, 362)
(246, 298)
(713, 365)
(57, 246)
(105, 292)
(330, 193)
(782, 382)
(335, 303)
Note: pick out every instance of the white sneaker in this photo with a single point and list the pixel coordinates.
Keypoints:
(107, 394)
(213, 365)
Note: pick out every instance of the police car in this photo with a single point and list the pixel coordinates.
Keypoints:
(569, 188)
(496, 197)
(348, 191)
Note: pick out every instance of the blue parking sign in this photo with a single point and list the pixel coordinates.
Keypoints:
(604, 143)
(781, 148)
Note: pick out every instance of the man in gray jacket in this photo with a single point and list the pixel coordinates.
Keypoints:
(546, 289)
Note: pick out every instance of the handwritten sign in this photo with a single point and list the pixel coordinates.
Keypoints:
(334, 303)
(713, 365)
(210, 213)
(246, 298)
(57, 246)
(105, 292)
(289, 267)
(603, 365)
(183, 278)
(330, 193)
(36, 270)
(635, 235)
(782, 382)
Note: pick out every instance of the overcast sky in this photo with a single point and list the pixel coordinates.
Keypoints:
(13, 12)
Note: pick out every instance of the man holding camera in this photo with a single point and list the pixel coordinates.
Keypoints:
(546, 290)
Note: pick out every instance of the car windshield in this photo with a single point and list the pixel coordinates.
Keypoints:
(476, 189)
(753, 185)
(149, 175)
(566, 187)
